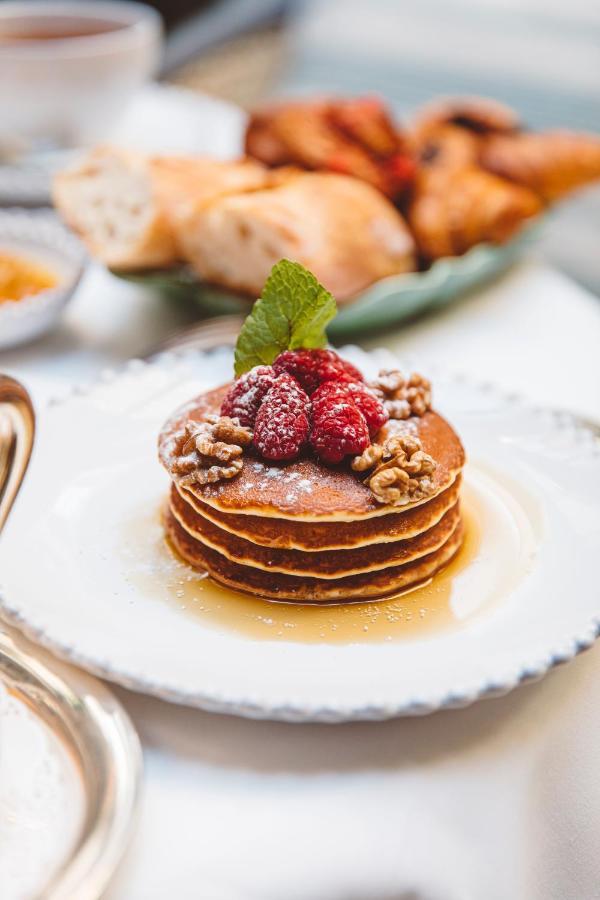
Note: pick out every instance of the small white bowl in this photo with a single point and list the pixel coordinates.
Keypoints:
(39, 236)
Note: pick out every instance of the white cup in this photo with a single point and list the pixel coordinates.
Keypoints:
(66, 83)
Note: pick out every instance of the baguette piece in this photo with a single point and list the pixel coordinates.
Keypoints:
(340, 228)
(124, 204)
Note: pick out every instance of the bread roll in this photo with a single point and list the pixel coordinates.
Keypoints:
(340, 228)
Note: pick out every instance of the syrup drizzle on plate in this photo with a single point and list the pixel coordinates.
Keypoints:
(496, 553)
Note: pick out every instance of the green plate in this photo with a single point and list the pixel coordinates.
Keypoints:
(386, 303)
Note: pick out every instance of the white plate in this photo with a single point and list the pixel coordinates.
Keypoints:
(83, 571)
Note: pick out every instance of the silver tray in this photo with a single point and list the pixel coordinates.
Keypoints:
(89, 730)
(102, 747)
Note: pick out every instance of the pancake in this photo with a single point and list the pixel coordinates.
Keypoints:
(332, 564)
(304, 589)
(307, 532)
(313, 537)
(306, 489)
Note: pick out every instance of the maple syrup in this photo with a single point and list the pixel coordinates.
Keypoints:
(495, 554)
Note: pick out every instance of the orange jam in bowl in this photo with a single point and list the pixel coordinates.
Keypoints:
(21, 277)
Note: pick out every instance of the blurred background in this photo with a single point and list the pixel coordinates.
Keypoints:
(540, 56)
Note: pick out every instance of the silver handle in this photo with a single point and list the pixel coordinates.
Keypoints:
(17, 429)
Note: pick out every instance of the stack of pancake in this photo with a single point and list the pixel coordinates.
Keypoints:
(309, 533)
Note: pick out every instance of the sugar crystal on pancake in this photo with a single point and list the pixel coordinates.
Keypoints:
(323, 487)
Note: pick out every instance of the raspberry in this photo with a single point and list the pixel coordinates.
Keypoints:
(313, 367)
(369, 404)
(282, 425)
(339, 427)
(246, 394)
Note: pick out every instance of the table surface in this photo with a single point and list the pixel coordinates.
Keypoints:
(238, 809)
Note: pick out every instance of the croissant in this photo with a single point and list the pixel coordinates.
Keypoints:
(480, 115)
(551, 163)
(445, 147)
(349, 137)
(451, 213)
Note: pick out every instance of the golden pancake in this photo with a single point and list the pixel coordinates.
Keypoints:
(287, 534)
(302, 589)
(305, 488)
(328, 564)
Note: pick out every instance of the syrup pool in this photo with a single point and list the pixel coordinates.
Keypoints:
(496, 554)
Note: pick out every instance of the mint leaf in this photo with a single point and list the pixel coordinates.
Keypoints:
(292, 312)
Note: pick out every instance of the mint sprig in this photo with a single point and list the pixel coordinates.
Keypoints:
(292, 313)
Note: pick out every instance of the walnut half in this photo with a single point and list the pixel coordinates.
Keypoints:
(400, 470)
(402, 395)
(210, 451)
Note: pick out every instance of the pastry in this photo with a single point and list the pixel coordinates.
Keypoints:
(447, 133)
(452, 211)
(351, 137)
(444, 147)
(124, 205)
(480, 115)
(300, 481)
(341, 228)
(551, 163)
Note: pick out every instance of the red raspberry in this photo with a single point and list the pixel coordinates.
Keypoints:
(339, 427)
(282, 425)
(369, 404)
(313, 367)
(246, 394)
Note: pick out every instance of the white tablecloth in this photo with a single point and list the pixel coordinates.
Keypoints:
(501, 800)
